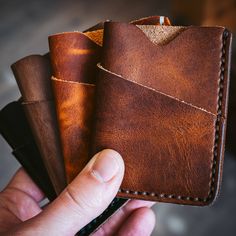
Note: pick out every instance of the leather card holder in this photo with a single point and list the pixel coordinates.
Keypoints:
(161, 101)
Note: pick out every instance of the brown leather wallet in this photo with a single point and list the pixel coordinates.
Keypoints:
(74, 56)
(161, 101)
(33, 74)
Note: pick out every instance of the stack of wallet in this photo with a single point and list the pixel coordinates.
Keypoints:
(155, 93)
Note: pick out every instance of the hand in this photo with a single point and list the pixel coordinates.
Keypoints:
(83, 200)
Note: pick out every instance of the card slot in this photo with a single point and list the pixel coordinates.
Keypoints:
(173, 141)
(156, 91)
(74, 55)
(188, 67)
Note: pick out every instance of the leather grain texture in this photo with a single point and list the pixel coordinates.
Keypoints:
(163, 106)
(74, 57)
(33, 74)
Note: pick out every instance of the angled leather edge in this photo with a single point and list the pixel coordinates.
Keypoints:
(125, 44)
(152, 125)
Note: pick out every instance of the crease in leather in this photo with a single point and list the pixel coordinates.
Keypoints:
(219, 126)
(157, 91)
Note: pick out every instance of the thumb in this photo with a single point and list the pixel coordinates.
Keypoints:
(84, 199)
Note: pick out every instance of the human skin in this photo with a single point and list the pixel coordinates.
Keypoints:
(84, 199)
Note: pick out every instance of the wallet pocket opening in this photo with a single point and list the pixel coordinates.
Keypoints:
(189, 133)
(188, 67)
(157, 91)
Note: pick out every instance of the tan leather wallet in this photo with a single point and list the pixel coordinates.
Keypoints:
(156, 93)
(160, 100)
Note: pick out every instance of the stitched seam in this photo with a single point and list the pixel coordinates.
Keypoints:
(157, 91)
(216, 141)
(215, 150)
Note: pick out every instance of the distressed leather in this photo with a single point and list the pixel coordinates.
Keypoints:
(160, 100)
(32, 74)
(74, 56)
(163, 105)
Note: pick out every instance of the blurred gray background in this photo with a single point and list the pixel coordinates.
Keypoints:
(24, 28)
